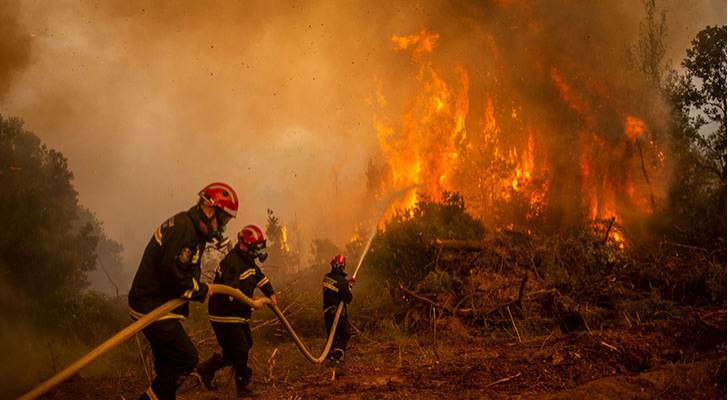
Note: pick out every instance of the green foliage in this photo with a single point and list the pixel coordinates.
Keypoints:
(439, 280)
(40, 251)
(577, 262)
(48, 243)
(696, 209)
(89, 317)
(699, 96)
(403, 251)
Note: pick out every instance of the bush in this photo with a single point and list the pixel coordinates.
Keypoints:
(403, 251)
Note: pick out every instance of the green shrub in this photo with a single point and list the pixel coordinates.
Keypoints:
(403, 251)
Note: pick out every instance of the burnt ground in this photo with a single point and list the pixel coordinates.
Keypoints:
(676, 358)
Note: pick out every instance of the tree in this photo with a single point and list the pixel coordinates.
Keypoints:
(322, 252)
(696, 211)
(108, 274)
(650, 49)
(279, 252)
(700, 96)
(42, 252)
(48, 243)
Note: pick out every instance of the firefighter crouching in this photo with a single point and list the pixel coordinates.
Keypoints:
(229, 317)
(169, 269)
(337, 289)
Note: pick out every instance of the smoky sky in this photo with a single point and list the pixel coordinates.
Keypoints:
(151, 100)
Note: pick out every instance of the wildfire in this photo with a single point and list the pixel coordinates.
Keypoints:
(524, 165)
(422, 42)
(422, 148)
(617, 238)
(284, 238)
(511, 168)
(634, 127)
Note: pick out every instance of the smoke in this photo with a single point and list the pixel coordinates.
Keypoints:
(150, 101)
(552, 91)
(14, 45)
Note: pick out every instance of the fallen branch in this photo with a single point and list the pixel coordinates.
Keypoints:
(520, 291)
(547, 339)
(421, 298)
(272, 363)
(514, 324)
(506, 379)
(434, 334)
(609, 346)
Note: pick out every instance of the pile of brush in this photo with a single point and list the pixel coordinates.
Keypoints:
(513, 282)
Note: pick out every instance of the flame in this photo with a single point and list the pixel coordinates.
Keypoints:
(422, 42)
(284, 239)
(525, 165)
(617, 238)
(633, 127)
(422, 148)
(503, 166)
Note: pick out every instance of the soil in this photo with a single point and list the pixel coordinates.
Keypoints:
(677, 358)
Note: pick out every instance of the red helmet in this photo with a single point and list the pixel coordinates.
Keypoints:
(252, 241)
(220, 196)
(338, 262)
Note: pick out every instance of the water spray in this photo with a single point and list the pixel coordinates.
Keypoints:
(383, 207)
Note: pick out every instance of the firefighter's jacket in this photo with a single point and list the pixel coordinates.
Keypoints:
(239, 271)
(336, 290)
(170, 267)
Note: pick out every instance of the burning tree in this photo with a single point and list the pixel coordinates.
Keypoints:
(279, 252)
(532, 136)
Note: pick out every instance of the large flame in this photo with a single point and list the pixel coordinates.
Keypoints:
(511, 167)
(422, 148)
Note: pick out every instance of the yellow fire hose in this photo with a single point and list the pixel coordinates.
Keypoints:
(130, 331)
(339, 309)
(160, 311)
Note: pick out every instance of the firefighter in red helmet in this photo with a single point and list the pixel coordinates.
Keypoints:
(169, 269)
(229, 317)
(337, 289)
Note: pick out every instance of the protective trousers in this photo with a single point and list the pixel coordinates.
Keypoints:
(174, 357)
(236, 341)
(341, 337)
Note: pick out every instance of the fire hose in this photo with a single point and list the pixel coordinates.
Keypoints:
(130, 331)
(165, 308)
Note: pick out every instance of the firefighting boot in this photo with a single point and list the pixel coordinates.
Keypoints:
(206, 370)
(338, 356)
(243, 391)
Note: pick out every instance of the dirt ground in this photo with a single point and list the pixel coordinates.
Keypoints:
(670, 359)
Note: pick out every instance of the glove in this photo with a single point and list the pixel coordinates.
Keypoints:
(202, 294)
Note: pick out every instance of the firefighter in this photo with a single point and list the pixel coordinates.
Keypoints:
(229, 317)
(337, 289)
(170, 269)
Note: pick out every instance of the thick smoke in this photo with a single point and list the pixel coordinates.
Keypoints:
(14, 45)
(152, 100)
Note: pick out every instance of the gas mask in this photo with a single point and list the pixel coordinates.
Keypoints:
(257, 250)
